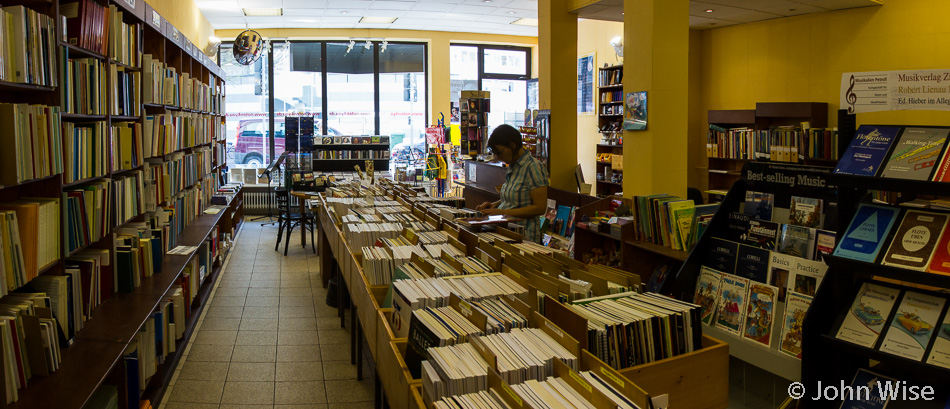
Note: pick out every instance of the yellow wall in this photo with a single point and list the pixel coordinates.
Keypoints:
(438, 78)
(801, 59)
(696, 174)
(593, 36)
(185, 16)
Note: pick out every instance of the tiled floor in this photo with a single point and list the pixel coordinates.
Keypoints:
(268, 339)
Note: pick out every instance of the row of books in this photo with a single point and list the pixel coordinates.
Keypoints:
(85, 150)
(128, 191)
(205, 97)
(175, 174)
(127, 149)
(359, 235)
(171, 132)
(915, 325)
(25, 317)
(611, 109)
(84, 86)
(37, 231)
(632, 329)
(359, 154)
(160, 83)
(126, 92)
(670, 221)
(913, 153)
(28, 47)
(88, 214)
(611, 96)
(36, 145)
(610, 77)
(918, 243)
(353, 140)
(124, 39)
(777, 144)
(86, 25)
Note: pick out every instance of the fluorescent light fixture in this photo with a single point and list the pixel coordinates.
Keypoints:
(263, 12)
(214, 39)
(377, 20)
(526, 22)
(304, 20)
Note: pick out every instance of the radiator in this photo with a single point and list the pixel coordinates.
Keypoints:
(258, 199)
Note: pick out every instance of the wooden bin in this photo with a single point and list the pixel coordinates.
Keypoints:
(697, 380)
(415, 397)
(394, 374)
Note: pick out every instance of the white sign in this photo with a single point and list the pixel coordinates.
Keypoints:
(895, 91)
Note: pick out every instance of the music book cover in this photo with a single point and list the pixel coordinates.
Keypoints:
(753, 263)
(759, 314)
(824, 243)
(707, 289)
(731, 303)
(913, 326)
(796, 306)
(865, 235)
(940, 262)
(871, 399)
(865, 319)
(721, 255)
(868, 150)
(940, 352)
(761, 234)
(780, 267)
(916, 153)
(759, 205)
(805, 276)
(915, 240)
(805, 211)
(737, 227)
(798, 241)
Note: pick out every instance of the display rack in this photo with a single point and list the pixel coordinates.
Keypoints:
(609, 172)
(474, 121)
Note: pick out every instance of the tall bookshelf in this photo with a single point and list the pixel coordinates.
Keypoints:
(94, 355)
(610, 125)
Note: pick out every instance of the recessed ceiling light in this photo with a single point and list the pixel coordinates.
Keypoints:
(377, 20)
(263, 12)
(344, 12)
(304, 20)
(487, 1)
(526, 22)
(511, 12)
(709, 10)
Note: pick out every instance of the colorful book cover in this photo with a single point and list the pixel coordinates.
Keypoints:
(940, 262)
(868, 149)
(792, 323)
(867, 391)
(761, 234)
(805, 211)
(731, 303)
(916, 153)
(824, 243)
(798, 241)
(707, 291)
(915, 240)
(913, 326)
(759, 205)
(680, 216)
(865, 236)
(863, 323)
(780, 267)
(806, 275)
(940, 352)
(753, 263)
(721, 255)
(560, 221)
(759, 314)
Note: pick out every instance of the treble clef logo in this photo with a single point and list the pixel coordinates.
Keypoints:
(852, 98)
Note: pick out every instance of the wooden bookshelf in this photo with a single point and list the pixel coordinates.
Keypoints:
(610, 124)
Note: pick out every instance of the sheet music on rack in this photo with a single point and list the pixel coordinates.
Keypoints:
(491, 238)
(436, 250)
(631, 329)
(432, 237)
(380, 263)
(357, 217)
(365, 234)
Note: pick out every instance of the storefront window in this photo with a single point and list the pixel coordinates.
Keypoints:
(402, 96)
(298, 86)
(503, 71)
(247, 115)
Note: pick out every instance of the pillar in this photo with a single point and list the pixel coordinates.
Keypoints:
(656, 60)
(440, 79)
(557, 86)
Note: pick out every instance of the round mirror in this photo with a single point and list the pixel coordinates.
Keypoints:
(247, 47)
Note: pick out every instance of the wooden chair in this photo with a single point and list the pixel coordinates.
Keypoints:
(288, 218)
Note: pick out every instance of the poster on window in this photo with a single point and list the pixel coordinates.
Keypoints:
(585, 84)
(895, 91)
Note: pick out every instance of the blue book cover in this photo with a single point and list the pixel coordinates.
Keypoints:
(563, 213)
(867, 390)
(753, 263)
(721, 255)
(868, 150)
(865, 236)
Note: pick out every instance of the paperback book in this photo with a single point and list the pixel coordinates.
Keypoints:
(868, 150)
(916, 238)
(864, 238)
(940, 262)
(759, 205)
(798, 241)
(737, 227)
(805, 211)
(824, 243)
(761, 234)
(753, 264)
(806, 276)
(913, 326)
(760, 313)
(865, 319)
(721, 255)
(707, 289)
(796, 306)
(916, 153)
(940, 352)
(731, 303)
(780, 267)
(871, 382)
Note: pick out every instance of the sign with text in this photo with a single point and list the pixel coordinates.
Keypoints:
(895, 91)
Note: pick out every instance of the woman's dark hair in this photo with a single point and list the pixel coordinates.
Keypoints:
(505, 135)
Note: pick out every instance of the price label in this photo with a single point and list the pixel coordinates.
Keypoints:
(156, 19)
(131, 3)
(580, 381)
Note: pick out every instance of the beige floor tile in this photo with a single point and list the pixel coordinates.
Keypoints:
(237, 292)
(254, 353)
(308, 406)
(298, 353)
(260, 312)
(263, 292)
(340, 369)
(235, 406)
(239, 266)
(296, 312)
(248, 393)
(296, 301)
(300, 392)
(196, 391)
(266, 301)
(266, 275)
(228, 301)
(289, 275)
(210, 353)
(354, 405)
(337, 352)
(299, 371)
(295, 268)
(189, 405)
(297, 338)
(256, 338)
(295, 283)
(221, 324)
(349, 391)
(335, 336)
(327, 323)
(258, 324)
(231, 276)
(203, 371)
(251, 372)
(323, 310)
(215, 337)
(295, 291)
(265, 283)
(235, 284)
(297, 324)
(223, 312)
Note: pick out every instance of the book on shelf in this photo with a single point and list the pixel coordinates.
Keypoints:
(153, 83)
(805, 211)
(865, 319)
(84, 150)
(14, 267)
(87, 214)
(871, 391)
(38, 225)
(868, 150)
(731, 303)
(127, 150)
(798, 241)
(84, 86)
(722, 255)
(760, 314)
(128, 203)
(124, 39)
(29, 47)
(753, 263)
(916, 154)
(759, 205)
(796, 306)
(126, 92)
(35, 148)
(86, 25)
(940, 351)
(915, 240)
(707, 293)
(914, 324)
(864, 238)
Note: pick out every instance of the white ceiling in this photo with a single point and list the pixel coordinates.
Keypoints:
(481, 16)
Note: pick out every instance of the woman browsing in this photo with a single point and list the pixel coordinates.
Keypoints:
(525, 191)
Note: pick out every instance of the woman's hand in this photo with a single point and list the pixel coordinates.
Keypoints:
(493, 211)
(485, 206)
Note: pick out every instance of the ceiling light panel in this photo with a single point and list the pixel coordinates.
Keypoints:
(377, 20)
(533, 22)
(254, 12)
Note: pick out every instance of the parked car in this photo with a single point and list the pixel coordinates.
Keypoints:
(402, 153)
(252, 140)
